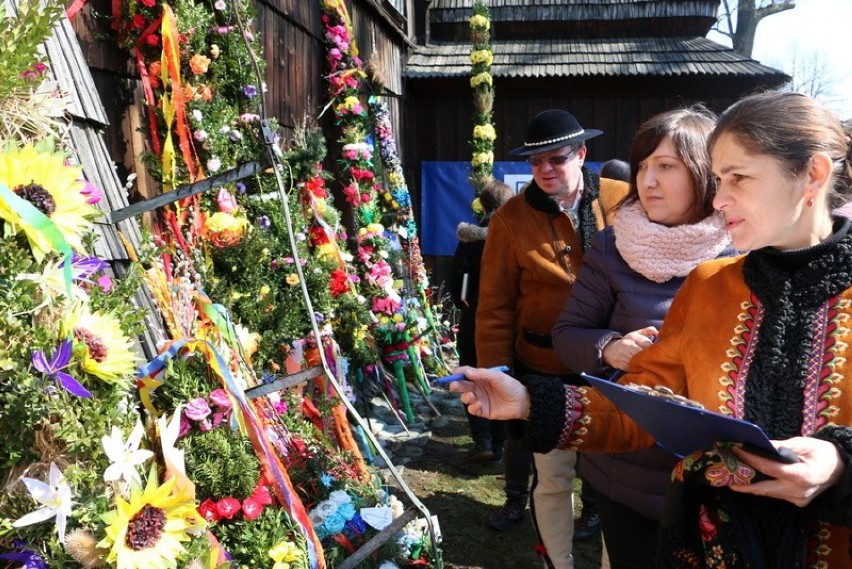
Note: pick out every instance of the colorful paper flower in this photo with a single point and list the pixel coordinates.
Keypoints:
(147, 530)
(55, 497)
(55, 189)
(101, 345)
(124, 456)
(53, 369)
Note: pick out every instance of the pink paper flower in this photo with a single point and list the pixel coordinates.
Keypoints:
(227, 202)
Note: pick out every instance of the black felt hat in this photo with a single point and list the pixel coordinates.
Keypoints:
(553, 129)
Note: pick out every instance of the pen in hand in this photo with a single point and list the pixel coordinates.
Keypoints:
(447, 379)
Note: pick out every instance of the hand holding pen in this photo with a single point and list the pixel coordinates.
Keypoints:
(490, 393)
(447, 379)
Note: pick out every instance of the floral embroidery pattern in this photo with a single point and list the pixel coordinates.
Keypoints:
(741, 356)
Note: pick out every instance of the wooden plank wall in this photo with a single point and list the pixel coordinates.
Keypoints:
(293, 39)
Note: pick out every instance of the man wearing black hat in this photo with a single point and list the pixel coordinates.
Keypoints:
(533, 252)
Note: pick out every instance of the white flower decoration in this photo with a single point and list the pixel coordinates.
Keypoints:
(124, 455)
(55, 496)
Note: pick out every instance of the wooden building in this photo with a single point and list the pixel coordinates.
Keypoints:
(612, 63)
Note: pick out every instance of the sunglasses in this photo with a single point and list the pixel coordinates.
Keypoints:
(554, 161)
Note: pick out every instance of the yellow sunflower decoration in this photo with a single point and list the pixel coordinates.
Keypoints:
(100, 345)
(43, 179)
(148, 530)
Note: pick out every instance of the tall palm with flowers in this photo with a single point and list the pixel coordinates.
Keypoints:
(374, 243)
(73, 445)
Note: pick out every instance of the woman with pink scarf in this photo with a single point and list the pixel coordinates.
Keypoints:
(664, 227)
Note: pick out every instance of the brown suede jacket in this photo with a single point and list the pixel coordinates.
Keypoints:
(531, 259)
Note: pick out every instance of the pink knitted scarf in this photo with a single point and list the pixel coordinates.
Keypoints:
(658, 252)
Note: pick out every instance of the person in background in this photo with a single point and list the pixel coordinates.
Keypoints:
(488, 436)
(616, 169)
(764, 337)
(664, 227)
(532, 254)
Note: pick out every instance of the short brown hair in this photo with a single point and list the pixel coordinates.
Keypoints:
(494, 194)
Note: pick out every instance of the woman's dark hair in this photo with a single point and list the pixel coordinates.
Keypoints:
(688, 130)
(791, 128)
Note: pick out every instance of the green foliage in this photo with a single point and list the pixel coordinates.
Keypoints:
(21, 36)
(222, 463)
(249, 542)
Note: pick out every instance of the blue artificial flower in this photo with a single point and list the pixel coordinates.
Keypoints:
(334, 523)
(53, 369)
(326, 479)
(346, 510)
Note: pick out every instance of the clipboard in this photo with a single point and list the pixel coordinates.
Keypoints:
(681, 429)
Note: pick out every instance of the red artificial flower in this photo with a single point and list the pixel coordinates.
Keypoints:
(316, 186)
(153, 40)
(227, 508)
(208, 511)
(251, 508)
(149, 3)
(138, 21)
(339, 283)
(318, 236)
(261, 495)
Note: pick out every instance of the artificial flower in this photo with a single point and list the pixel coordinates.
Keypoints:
(228, 507)
(252, 508)
(124, 456)
(55, 496)
(479, 21)
(224, 229)
(51, 281)
(55, 189)
(197, 409)
(24, 558)
(484, 132)
(226, 201)
(169, 431)
(53, 368)
(292, 279)
(483, 78)
(100, 344)
(147, 530)
(208, 511)
(483, 56)
(284, 553)
(199, 64)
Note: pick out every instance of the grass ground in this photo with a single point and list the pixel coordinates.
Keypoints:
(464, 495)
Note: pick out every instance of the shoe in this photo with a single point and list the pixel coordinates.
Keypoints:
(480, 453)
(587, 527)
(498, 455)
(512, 513)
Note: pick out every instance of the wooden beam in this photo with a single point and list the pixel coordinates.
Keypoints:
(377, 540)
(285, 382)
(185, 191)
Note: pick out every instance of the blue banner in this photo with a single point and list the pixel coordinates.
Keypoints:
(446, 195)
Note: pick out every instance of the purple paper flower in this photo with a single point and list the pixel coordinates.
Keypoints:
(28, 558)
(250, 91)
(220, 398)
(53, 369)
(263, 222)
(197, 409)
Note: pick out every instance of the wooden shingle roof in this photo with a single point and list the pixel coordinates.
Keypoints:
(536, 10)
(621, 57)
(448, 20)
